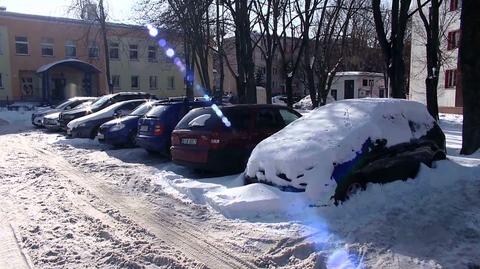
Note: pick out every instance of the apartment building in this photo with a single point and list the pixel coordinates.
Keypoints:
(449, 88)
(49, 58)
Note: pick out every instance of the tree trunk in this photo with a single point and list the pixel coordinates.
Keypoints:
(105, 45)
(268, 79)
(289, 90)
(470, 72)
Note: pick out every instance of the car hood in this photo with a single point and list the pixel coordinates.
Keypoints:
(91, 117)
(307, 151)
(45, 111)
(124, 120)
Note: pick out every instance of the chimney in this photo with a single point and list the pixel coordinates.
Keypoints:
(89, 12)
(3, 9)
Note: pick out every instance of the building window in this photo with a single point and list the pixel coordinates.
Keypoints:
(47, 46)
(453, 40)
(134, 82)
(367, 82)
(454, 5)
(116, 81)
(70, 49)
(171, 83)
(152, 53)
(153, 82)
(93, 50)
(21, 45)
(133, 52)
(1, 81)
(333, 93)
(1, 43)
(114, 51)
(450, 78)
(381, 93)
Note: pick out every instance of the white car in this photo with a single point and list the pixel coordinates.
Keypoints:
(74, 102)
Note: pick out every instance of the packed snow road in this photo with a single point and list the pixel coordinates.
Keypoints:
(74, 203)
(70, 211)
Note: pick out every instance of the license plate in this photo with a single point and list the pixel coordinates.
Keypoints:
(143, 128)
(189, 141)
(100, 136)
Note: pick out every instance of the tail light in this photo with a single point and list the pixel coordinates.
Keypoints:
(175, 139)
(158, 130)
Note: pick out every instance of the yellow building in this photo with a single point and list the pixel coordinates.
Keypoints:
(5, 73)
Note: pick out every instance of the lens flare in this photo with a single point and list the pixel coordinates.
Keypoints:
(162, 42)
(153, 32)
(170, 52)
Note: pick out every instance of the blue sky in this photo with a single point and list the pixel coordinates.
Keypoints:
(119, 10)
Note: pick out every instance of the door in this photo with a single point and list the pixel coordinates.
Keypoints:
(27, 86)
(58, 89)
(349, 89)
(267, 122)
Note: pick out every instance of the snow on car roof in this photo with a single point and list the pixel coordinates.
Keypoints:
(305, 151)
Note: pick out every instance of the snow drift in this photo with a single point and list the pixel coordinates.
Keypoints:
(303, 155)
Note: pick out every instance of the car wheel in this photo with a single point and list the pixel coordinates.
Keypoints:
(94, 132)
(132, 141)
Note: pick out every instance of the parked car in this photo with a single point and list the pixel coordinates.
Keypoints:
(37, 116)
(221, 139)
(50, 121)
(335, 150)
(101, 103)
(123, 131)
(155, 128)
(87, 126)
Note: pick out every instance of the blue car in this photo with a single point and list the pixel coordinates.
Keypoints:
(123, 131)
(155, 128)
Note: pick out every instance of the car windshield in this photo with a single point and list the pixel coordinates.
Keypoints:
(63, 105)
(142, 109)
(100, 102)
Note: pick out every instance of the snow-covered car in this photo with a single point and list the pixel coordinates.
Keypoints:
(74, 102)
(335, 150)
(87, 126)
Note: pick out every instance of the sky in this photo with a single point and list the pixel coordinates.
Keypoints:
(119, 10)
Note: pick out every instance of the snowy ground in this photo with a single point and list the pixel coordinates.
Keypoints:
(75, 203)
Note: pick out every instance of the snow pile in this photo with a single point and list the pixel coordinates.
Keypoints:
(303, 154)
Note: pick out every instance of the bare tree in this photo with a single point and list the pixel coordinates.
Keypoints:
(240, 12)
(269, 13)
(95, 12)
(192, 19)
(392, 41)
(470, 72)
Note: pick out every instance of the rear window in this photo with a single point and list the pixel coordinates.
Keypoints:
(156, 111)
(207, 119)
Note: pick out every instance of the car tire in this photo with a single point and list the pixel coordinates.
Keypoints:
(94, 132)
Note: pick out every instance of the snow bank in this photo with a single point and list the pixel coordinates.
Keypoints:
(306, 102)
(306, 151)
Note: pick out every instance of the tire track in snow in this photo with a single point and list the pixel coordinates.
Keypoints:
(187, 238)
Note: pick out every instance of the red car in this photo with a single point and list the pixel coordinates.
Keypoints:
(221, 139)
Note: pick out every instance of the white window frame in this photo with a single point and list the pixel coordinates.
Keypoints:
(113, 46)
(47, 43)
(130, 50)
(117, 79)
(70, 44)
(152, 49)
(171, 83)
(93, 46)
(22, 43)
(138, 82)
(153, 86)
